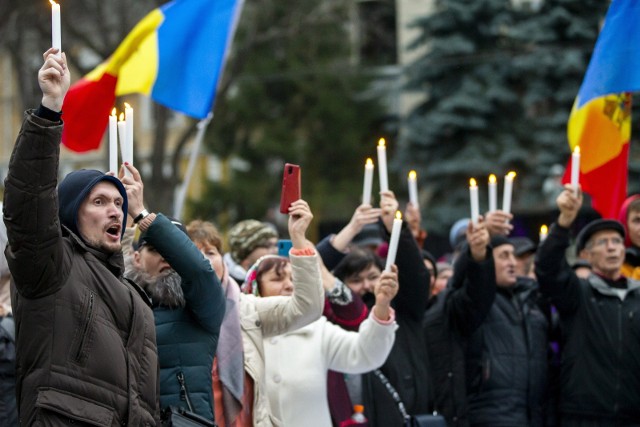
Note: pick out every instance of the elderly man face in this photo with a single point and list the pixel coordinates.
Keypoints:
(505, 265)
(605, 253)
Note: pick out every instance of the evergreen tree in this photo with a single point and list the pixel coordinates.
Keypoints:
(500, 84)
(293, 98)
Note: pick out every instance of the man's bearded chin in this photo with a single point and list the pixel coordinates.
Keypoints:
(164, 289)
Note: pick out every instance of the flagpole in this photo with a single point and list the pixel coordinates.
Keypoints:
(181, 192)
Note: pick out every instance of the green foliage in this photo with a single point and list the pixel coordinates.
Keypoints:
(500, 85)
(296, 99)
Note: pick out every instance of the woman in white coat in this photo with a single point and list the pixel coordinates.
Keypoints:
(296, 363)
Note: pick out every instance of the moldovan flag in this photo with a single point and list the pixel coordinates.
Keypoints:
(175, 54)
(600, 121)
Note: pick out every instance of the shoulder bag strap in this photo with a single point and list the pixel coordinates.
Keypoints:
(394, 395)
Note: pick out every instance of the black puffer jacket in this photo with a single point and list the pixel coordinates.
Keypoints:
(506, 363)
(86, 349)
(501, 336)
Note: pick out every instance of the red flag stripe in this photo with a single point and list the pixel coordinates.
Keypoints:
(92, 101)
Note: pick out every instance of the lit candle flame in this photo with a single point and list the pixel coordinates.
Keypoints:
(576, 149)
(492, 179)
(544, 229)
(113, 112)
(53, 3)
(126, 105)
(381, 142)
(121, 117)
(472, 182)
(412, 175)
(369, 162)
(398, 215)
(512, 174)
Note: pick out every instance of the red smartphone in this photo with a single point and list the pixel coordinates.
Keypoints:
(290, 186)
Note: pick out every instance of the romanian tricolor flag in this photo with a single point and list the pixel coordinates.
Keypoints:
(175, 54)
(600, 121)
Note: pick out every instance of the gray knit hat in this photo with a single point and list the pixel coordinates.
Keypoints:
(248, 235)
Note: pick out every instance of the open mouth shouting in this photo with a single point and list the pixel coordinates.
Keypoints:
(114, 231)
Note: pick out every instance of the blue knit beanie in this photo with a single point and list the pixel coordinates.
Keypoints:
(75, 187)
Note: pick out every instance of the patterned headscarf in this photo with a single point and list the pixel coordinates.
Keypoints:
(250, 285)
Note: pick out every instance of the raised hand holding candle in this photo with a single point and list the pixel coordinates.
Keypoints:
(508, 189)
(544, 231)
(56, 38)
(382, 165)
(368, 182)
(412, 181)
(493, 193)
(575, 169)
(393, 241)
(113, 142)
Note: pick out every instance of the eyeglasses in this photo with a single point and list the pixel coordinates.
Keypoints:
(606, 241)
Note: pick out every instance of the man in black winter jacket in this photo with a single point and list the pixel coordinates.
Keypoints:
(493, 317)
(600, 321)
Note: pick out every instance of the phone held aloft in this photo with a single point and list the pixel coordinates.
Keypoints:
(290, 186)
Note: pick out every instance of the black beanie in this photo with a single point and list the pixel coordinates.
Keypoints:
(75, 187)
(499, 240)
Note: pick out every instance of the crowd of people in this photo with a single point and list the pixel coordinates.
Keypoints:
(122, 316)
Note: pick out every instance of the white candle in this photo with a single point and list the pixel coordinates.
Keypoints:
(113, 142)
(508, 189)
(382, 165)
(128, 111)
(493, 193)
(56, 39)
(122, 136)
(393, 241)
(544, 230)
(412, 181)
(575, 169)
(475, 205)
(368, 182)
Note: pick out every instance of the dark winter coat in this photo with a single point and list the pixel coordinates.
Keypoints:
(186, 332)
(487, 349)
(406, 366)
(451, 317)
(506, 363)
(85, 338)
(600, 373)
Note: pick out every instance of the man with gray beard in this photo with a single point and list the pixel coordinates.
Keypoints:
(188, 307)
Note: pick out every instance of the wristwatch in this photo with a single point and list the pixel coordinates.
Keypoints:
(142, 215)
